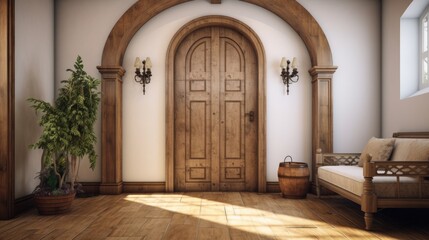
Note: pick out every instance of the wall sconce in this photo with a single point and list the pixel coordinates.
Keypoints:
(143, 72)
(287, 77)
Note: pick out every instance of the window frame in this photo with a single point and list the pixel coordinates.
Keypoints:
(423, 84)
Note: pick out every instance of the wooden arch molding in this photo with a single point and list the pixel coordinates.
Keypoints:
(141, 12)
(253, 38)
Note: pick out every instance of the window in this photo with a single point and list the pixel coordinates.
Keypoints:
(424, 53)
(414, 50)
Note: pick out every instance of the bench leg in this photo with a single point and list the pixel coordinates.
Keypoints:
(369, 217)
(369, 199)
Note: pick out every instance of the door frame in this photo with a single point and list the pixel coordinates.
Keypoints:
(7, 109)
(246, 31)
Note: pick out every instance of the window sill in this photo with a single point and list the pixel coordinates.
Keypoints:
(420, 92)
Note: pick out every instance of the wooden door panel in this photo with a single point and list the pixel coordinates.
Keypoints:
(215, 87)
(232, 56)
(233, 162)
(197, 130)
(250, 128)
(192, 113)
(197, 171)
(198, 56)
(197, 114)
(233, 122)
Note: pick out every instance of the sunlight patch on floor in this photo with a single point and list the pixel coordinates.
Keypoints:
(228, 211)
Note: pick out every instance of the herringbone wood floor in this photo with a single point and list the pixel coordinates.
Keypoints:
(216, 216)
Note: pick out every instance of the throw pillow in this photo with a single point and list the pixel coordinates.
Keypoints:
(379, 148)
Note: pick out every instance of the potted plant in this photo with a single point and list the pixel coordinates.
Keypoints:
(67, 136)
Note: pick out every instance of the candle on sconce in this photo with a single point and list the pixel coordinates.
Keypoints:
(283, 63)
(143, 73)
(294, 64)
(148, 63)
(138, 63)
(288, 76)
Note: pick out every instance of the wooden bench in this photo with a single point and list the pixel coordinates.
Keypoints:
(399, 182)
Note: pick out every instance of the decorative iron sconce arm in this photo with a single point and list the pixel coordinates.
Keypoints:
(143, 73)
(287, 76)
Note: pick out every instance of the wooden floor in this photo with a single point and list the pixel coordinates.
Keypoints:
(215, 216)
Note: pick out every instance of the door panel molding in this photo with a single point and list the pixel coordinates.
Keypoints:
(256, 44)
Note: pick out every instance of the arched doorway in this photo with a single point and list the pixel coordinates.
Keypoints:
(226, 91)
(142, 11)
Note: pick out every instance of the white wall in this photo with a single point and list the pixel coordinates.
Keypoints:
(355, 43)
(34, 77)
(408, 114)
(353, 31)
(81, 28)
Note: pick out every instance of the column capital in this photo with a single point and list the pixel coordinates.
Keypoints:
(314, 71)
(109, 72)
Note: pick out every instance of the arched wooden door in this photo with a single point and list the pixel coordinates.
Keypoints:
(215, 122)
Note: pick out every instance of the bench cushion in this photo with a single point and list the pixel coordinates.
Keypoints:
(411, 150)
(350, 178)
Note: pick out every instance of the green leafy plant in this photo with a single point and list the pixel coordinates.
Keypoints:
(68, 133)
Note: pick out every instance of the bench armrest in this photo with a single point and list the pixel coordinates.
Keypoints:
(396, 168)
(334, 159)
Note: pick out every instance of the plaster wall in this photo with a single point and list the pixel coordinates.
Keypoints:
(34, 77)
(353, 31)
(81, 28)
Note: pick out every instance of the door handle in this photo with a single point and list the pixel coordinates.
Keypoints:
(251, 115)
